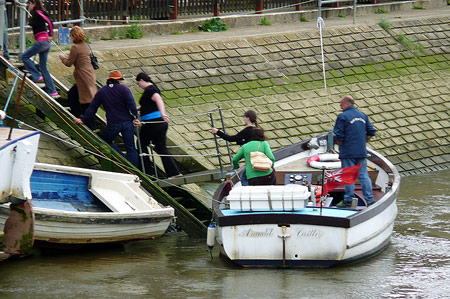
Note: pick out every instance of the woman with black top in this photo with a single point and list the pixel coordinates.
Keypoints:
(242, 137)
(152, 111)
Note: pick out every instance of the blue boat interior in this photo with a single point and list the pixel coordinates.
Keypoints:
(315, 211)
(62, 191)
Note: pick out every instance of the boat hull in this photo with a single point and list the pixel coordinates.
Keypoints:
(305, 245)
(91, 228)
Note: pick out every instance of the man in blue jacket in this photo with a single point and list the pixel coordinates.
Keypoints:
(121, 114)
(352, 130)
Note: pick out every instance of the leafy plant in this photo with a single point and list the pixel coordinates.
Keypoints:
(303, 19)
(88, 41)
(341, 15)
(265, 22)
(213, 25)
(135, 32)
(380, 10)
(176, 32)
(383, 23)
(418, 7)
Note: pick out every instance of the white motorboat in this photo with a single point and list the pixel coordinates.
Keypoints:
(283, 225)
(83, 206)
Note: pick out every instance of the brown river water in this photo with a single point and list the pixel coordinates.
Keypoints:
(415, 265)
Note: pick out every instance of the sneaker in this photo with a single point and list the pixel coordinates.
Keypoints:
(54, 95)
(344, 205)
(40, 79)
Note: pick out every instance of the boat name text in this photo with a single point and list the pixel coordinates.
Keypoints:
(256, 234)
(309, 233)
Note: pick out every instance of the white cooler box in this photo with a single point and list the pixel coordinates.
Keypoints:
(269, 198)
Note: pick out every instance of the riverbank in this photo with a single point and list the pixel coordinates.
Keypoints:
(398, 75)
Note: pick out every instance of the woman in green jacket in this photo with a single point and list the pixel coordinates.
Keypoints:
(256, 177)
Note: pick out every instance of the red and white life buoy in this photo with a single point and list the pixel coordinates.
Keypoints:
(327, 161)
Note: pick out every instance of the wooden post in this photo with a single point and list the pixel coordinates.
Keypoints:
(173, 10)
(259, 6)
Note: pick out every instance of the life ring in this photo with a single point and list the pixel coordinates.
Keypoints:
(327, 161)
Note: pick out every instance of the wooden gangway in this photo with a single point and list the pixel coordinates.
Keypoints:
(192, 214)
(192, 178)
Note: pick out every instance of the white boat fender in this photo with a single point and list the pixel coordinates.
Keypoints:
(327, 161)
(211, 235)
(2, 115)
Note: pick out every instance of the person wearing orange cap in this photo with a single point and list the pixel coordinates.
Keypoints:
(121, 114)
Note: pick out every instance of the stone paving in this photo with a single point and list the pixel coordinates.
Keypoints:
(398, 76)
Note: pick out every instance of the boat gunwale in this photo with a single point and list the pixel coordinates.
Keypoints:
(13, 141)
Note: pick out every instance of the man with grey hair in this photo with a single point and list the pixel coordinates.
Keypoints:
(352, 130)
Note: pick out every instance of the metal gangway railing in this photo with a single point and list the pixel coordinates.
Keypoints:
(197, 149)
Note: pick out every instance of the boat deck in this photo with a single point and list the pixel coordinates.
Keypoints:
(15, 135)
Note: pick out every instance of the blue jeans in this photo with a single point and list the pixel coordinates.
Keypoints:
(41, 48)
(111, 131)
(244, 181)
(366, 183)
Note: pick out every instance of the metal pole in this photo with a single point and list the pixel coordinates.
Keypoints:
(154, 162)
(222, 175)
(323, 183)
(17, 104)
(81, 2)
(22, 23)
(320, 9)
(3, 19)
(354, 12)
(228, 144)
(140, 149)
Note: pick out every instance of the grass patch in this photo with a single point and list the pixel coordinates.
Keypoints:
(381, 11)
(385, 24)
(135, 32)
(418, 7)
(341, 15)
(303, 19)
(176, 32)
(265, 22)
(213, 25)
(411, 44)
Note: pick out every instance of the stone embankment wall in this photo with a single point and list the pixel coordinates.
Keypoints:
(402, 85)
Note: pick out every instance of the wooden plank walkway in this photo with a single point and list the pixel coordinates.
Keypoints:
(191, 178)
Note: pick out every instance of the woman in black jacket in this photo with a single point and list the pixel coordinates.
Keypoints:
(242, 137)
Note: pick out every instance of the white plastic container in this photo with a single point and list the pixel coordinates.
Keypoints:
(268, 198)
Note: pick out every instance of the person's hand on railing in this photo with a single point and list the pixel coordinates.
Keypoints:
(77, 121)
(214, 130)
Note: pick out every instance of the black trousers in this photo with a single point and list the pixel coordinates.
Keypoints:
(156, 133)
(270, 179)
(76, 108)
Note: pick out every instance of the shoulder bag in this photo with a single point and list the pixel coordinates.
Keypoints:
(94, 60)
(260, 161)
